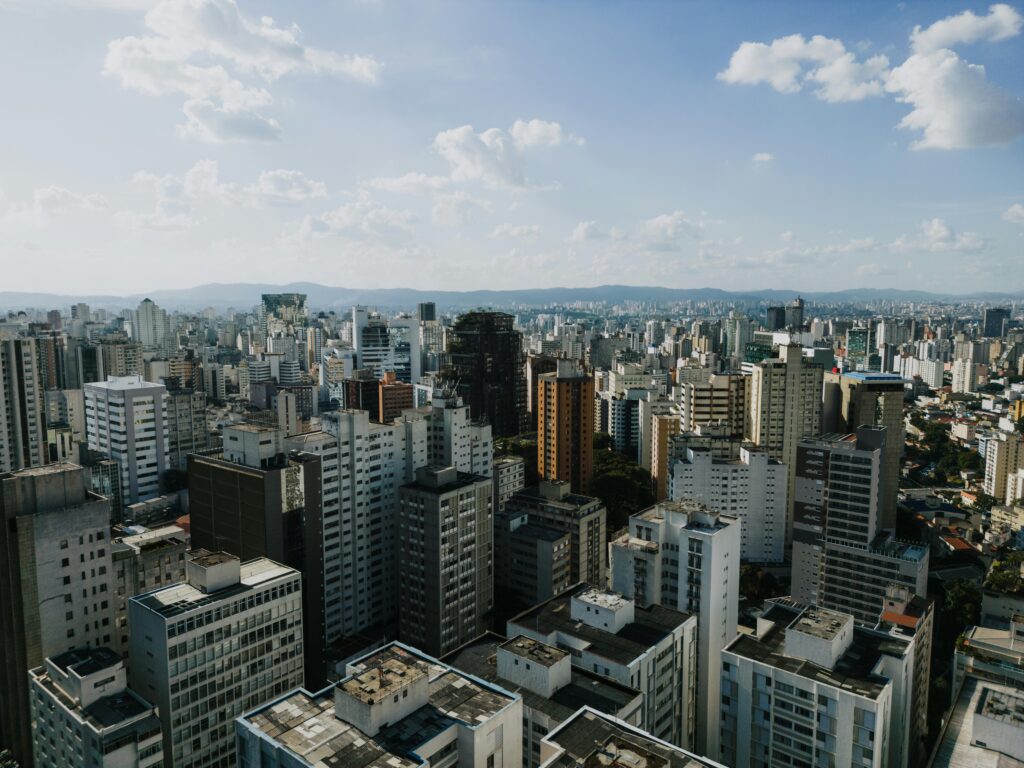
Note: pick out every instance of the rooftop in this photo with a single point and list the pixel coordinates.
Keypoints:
(479, 658)
(853, 671)
(205, 558)
(383, 676)
(1006, 706)
(528, 648)
(821, 623)
(124, 383)
(957, 748)
(595, 740)
(650, 626)
(85, 661)
(305, 723)
(179, 599)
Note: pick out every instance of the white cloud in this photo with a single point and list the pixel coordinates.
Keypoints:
(540, 133)
(53, 200)
(455, 208)
(363, 219)
(205, 50)
(1014, 214)
(490, 156)
(1002, 22)
(954, 106)
(664, 232)
(587, 230)
(515, 231)
(936, 236)
(787, 63)
(762, 158)
(411, 183)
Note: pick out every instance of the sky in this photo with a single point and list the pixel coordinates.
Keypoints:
(471, 145)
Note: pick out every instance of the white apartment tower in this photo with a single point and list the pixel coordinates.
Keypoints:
(683, 555)
(125, 418)
(22, 432)
(752, 488)
(205, 651)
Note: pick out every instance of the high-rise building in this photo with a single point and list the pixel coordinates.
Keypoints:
(426, 311)
(226, 641)
(565, 426)
(584, 518)
(844, 559)
(86, 716)
(55, 584)
(853, 400)
(186, 426)
(811, 688)
(752, 488)
(22, 424)
(126, 418)
(509, 476)
(255, 500)
(685, 556)
(52, 352)
(487, 363)
(785, 407)
(1004, 458)
(717, 398)
(445, 558)
(141, 562)
(533, 563)
(395, 707)
(994, 321)
(536, 365)
(151, 328)
(120, 358)
(650, 648)
(393, 397)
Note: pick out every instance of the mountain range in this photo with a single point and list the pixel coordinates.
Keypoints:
(221, 296)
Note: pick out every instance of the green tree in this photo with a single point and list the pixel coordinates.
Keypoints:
(961, 608)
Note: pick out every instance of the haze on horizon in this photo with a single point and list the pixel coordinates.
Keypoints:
(454, 146)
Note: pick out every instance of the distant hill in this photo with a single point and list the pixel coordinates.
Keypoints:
(325, 297)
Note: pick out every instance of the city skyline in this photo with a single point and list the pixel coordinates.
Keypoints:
(365, 143)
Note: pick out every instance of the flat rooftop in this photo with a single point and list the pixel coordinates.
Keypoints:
(1003, 705)
(594, 740)
(957, 749)
(305, 723)
(822, 623)
(206, 559)
(85, 661)
(853, 672)
(650, 625)
(180, 599)
(479, 658)
(384, 676)
(532, 650)
(124, 383)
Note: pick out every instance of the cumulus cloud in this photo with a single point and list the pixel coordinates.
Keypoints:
(936, 236)
(361, 219)
(454, 209)
(587, 230)
(762, 158)
(221, 61)
(1001, 22)
(788, 63)
(411, 183)
(540, 133)
(53, 200)
(664, 232)
(1014, 214)
(953, 105)
(508, 231)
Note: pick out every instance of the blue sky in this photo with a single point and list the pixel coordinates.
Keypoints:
(523, 144)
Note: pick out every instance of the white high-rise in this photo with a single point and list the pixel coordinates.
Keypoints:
(22, 433)
(685, 556)
(125, 418)
(152, 329)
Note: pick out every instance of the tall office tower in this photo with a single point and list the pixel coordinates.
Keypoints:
(965, 376)
(994, 321)
(404, 340)
(752, 488)
(314, 347)
(374, 461)
(659, 422)
(432, 347)
(739, 331)
(426, 311)
(1004, 457)
(371, 341)
(456, 440)
(140, 563)
(86, 716)
(387, 711)
(393, 397)
(22, 423)
(83, 362)
(227, 640)
(152, 329)
(584, 518)
(536, 365)
(651, 648)
(795, 313)
(811, 688)
(81, 312)
(126, 418)
(683, 555)
(588, 737)
(255, 500)
(854, 400)
(775, 318)
(843, 558)
(785, 407)
(52, 352)
(487, 365)
(552, 689)
(860, 348)
(445, 559)
(55, 583)
(715, 398)
(53, 317)
(121, 358)
(66, 406)
(565, 426)
(509, 477)
(361, 391)
(186, 426)
(280, 310)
